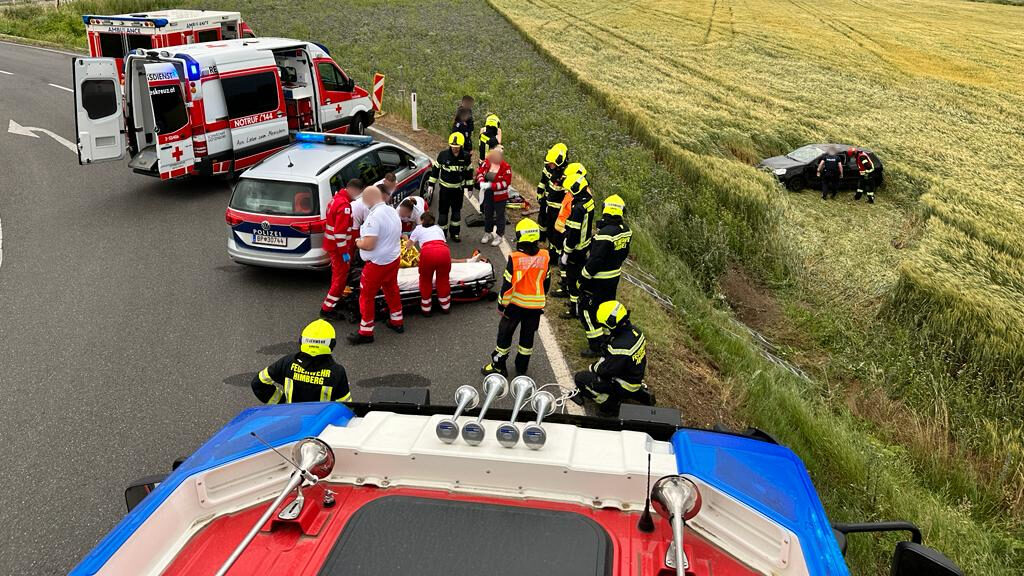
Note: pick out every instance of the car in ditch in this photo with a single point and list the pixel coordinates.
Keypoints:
(798, 169)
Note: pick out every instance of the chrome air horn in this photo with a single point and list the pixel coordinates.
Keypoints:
(495, 388)
(523, 388)
(534, 436)
(677, 500)
(467, 398)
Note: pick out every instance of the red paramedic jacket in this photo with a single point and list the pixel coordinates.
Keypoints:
(502, 180)
(338, 226)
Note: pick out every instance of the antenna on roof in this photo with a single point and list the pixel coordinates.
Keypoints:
(289, 157)
(646, 523)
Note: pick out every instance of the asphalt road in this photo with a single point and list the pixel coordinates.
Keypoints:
(127, 336)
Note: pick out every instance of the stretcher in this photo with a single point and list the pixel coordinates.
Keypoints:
(470, 281)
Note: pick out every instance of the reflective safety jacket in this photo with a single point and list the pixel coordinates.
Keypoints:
(609, 249)
(302, 378)
(579, 225)
(526, 281)
(563, 212)
(488, 140)
(338, 226)
(453, 172)
(864, 163)
(549, 195)
(625, 358)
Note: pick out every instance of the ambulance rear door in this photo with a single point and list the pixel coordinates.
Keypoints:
(99, 119)
(175, 155)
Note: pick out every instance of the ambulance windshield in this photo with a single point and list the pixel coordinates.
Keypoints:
(275, 197)
(168, 108)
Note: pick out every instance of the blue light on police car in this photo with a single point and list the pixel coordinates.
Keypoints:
(340, 139)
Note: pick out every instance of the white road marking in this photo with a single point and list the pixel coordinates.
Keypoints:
(398, 141)
(1, 243)
(15, 128)
(64, 88)
(6, 73)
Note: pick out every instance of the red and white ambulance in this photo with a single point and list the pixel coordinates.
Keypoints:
(118, 35)
(214, 107)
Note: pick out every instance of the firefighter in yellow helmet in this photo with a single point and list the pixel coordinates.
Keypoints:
(599, 279)
(521, 300)
(550, 194)
(490, 136)
(454, 171)
(579, 229)
(310, 375)
(619, 374)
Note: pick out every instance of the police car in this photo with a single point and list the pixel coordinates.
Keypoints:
(276, 215)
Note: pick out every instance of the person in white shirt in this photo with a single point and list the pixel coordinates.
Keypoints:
(435, 264)
(380, 242)
(410, 211)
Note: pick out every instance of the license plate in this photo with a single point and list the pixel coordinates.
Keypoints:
(265, 240)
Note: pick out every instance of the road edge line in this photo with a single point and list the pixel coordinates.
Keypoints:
(26, 43)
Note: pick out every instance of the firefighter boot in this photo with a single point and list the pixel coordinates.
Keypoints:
(496, 365)
(522, 363)
(859, 194)
(871, 197)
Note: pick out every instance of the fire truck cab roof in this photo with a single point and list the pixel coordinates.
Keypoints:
(161, 20)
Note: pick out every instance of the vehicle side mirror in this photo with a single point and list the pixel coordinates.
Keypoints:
(912, 559)
(349, 85)
(139, 489)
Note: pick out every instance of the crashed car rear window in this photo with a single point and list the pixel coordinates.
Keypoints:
(806, 153)
(275, 197)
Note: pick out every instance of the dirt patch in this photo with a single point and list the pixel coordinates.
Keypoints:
(751, 303)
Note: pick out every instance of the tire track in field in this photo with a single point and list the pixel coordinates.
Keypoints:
(711, 21)
(836, 25)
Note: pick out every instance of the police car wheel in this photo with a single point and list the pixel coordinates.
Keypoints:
(427, 195)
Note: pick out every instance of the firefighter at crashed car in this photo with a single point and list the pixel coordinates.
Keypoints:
(865, 172)
(619, 374)
(522, 299)
(454, 171)
(310, 375)
(599, 279)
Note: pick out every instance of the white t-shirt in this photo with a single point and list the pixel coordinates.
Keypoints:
(423, 235)
(417, 210)
(359, 212)
(383, 222)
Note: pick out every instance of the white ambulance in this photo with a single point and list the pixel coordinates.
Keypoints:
(214, 107)
(116, 36)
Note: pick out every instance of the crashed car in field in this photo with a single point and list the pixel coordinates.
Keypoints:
(799, 169)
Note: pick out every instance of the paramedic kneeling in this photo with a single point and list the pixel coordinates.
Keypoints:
(619, 374)
(380, 242)
(435, 264)
(311, 375)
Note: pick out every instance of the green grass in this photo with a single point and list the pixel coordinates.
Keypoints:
(63, 25)
(693, 214)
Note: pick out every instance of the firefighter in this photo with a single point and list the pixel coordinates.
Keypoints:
(550, 193)
(454, 170)
(619, 374)
(310, 375)
(521, 302)
(559, 235)
(337, 243)
(599, 279)
(490, 136)
(578, 233)
(830, 171)
(865, 169)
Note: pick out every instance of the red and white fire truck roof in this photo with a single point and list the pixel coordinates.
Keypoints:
(159, 21)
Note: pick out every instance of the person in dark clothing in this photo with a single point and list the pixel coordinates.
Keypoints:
(310, 375)
(599, 280)
(550, 194)
(830, 171)
(865, 174)
(578, 233)
(521, 300)
(619, 374)
(490, 136)
(454, 170)
(463, 123)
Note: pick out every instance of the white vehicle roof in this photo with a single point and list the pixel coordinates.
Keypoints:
(304, 162)
(163, 20)
(226, 48)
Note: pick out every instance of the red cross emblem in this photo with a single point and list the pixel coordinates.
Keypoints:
(177, 154)
(338, 108)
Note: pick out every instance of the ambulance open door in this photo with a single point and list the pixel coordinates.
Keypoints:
(99, 119)
(175, 150)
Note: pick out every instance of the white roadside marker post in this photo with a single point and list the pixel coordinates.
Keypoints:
(415, 124)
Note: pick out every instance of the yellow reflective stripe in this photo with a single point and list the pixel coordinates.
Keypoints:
(610, 238)
(631, 351)
(265, 377)
(589, 205)
(572, 224)
(289, 389)
(524, 351)
(628, 386)
(502, 351)
(276, 397)
(345, 398)
(325, 393)
(507, 276)
(603, 275)
(452, 184)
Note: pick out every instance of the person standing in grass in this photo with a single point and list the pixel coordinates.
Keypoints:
(463, 123)
(830, 171)
(865, 171)
(494, 178)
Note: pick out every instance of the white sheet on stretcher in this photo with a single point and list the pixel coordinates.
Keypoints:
(409, 278)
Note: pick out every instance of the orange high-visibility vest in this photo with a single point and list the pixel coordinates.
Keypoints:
(527, 280)
(563, 212)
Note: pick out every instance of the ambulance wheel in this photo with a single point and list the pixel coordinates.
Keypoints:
(358, 125)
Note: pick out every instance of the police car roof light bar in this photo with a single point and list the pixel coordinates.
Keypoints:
(356, 141)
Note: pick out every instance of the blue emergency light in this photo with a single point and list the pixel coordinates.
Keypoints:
(341, 139)
(192, 68)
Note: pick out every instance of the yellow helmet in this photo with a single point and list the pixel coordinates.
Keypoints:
(614, 205)
(527, 231)
(457, 139)
(557, 155)
(493, 120)
(611, 313)
(575, 178)
(318, 338)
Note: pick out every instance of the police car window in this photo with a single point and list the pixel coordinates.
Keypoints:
(275, 197)
(250, 94)
(390, 159)
(367, 167)
(99, 98)
(168, 108)
(111, 45)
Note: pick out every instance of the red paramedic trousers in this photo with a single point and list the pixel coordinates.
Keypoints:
(374, 279)
(435, 258)
(339, 278)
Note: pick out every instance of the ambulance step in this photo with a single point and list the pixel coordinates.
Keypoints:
(144, 161)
